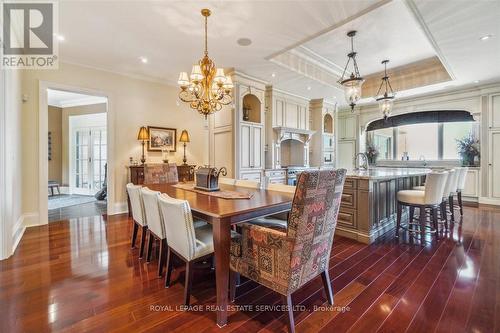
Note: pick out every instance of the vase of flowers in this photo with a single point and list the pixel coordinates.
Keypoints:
(468, 148)
(371, 153)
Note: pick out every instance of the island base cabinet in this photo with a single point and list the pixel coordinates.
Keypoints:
(368, 206)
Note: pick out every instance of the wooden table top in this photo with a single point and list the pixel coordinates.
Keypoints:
(221, 208)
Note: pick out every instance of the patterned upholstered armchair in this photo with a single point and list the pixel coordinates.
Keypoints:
(160, 173)
(285, 260)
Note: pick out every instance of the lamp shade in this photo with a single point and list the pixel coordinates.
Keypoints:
(143, 134)
(184, 136)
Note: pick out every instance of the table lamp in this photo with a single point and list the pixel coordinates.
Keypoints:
(143, 136)
(184, 138)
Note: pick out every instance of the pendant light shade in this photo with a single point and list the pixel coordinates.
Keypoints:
(385, 101)
(354, 82)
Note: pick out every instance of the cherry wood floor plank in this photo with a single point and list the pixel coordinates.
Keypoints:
(81, 275)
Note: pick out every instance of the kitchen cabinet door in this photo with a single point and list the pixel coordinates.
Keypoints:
(246, 146)
(347, 128)
(494, 165)
(494, 114)
(345, 153)
(256, 138)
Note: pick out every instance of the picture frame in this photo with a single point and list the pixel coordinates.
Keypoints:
(162, 138)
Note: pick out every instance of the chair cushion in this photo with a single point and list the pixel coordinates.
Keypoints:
(270, 222)
(205, 241)
(412, 197)
(235, 249)
(419, 188)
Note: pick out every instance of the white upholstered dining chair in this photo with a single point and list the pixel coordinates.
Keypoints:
(138, 216)
(184, 240)
(156, 229)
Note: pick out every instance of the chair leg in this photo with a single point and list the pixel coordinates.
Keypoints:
(143, 241)
(150, 247)
(398, 222)
(452, 209)
(161, 258)
(169, 267)
(459, 196)
(422, 224)
(327, 285)
(412, 214)
(287, 300)
(188, 282)
(435, 221)
(134, 233)
(232, 285)
(444, 215)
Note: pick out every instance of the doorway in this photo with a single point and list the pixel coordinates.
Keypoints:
(77, 155)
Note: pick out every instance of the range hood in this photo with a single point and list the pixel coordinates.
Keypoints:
(290, 133)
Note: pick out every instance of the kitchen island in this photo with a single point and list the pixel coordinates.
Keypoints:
(368, 208)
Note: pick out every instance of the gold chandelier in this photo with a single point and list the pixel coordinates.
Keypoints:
(207, 89)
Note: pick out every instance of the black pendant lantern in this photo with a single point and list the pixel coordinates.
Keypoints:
(352, 84)
(385, 101)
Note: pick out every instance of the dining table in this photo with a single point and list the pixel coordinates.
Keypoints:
(222, 214)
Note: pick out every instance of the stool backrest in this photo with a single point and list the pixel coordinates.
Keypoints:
(462, 178)
(152, 211)
(434, 187)
(179, 225)
(136, 204)
(448, 188)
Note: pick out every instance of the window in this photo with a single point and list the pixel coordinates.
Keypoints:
(452, 132)
(418, 140)
(432, 141)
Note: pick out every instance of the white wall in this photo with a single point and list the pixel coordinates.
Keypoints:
(11, 218)
(132, 103)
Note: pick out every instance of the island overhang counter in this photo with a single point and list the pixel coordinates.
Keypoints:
(369, 201)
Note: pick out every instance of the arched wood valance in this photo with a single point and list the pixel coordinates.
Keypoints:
(445, 116)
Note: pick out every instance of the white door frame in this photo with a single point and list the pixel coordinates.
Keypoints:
(5, 232)
(43, 128)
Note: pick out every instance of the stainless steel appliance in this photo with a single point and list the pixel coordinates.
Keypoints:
(292, 172)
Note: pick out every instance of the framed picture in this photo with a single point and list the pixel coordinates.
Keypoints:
(161, 138)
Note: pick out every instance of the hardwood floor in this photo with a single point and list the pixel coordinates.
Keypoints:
(81, 276)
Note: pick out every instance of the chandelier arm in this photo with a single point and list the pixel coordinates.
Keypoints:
(389, 83)
(356, 70)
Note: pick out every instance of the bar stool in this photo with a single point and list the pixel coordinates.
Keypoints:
(453, 190)
(431, 198)
(448, 188)
(460, 186)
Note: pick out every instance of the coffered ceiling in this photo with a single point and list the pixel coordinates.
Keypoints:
(298, 46)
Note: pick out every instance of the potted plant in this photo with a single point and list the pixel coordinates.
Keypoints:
(371, 153)
(468, 148)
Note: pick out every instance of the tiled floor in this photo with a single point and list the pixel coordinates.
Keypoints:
(83, 210)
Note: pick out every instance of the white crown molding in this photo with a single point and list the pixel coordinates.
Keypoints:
(146, 78)
(90, 100)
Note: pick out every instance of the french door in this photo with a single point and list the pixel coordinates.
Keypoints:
(89, 160)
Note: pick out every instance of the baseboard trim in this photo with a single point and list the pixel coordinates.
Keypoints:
(489, 201)
(17, 233)
(119, 208)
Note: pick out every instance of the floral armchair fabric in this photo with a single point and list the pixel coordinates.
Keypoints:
(285, 261)
(160, 173)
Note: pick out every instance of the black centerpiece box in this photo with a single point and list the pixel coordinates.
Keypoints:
(207, 178)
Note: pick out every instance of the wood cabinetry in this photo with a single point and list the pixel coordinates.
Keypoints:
(323, 141)
(494, 112)
(347, 143)
(276, 176)
(136, 173)
(347, 127)
(494, 165)
(250, 146)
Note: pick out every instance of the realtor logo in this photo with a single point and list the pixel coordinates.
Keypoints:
(28, 35)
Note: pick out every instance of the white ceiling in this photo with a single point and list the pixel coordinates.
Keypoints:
(112, 35)
(64, 99)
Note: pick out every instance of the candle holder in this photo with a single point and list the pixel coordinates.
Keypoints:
(165, 154)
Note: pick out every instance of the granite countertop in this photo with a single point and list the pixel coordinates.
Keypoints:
(387, 173)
